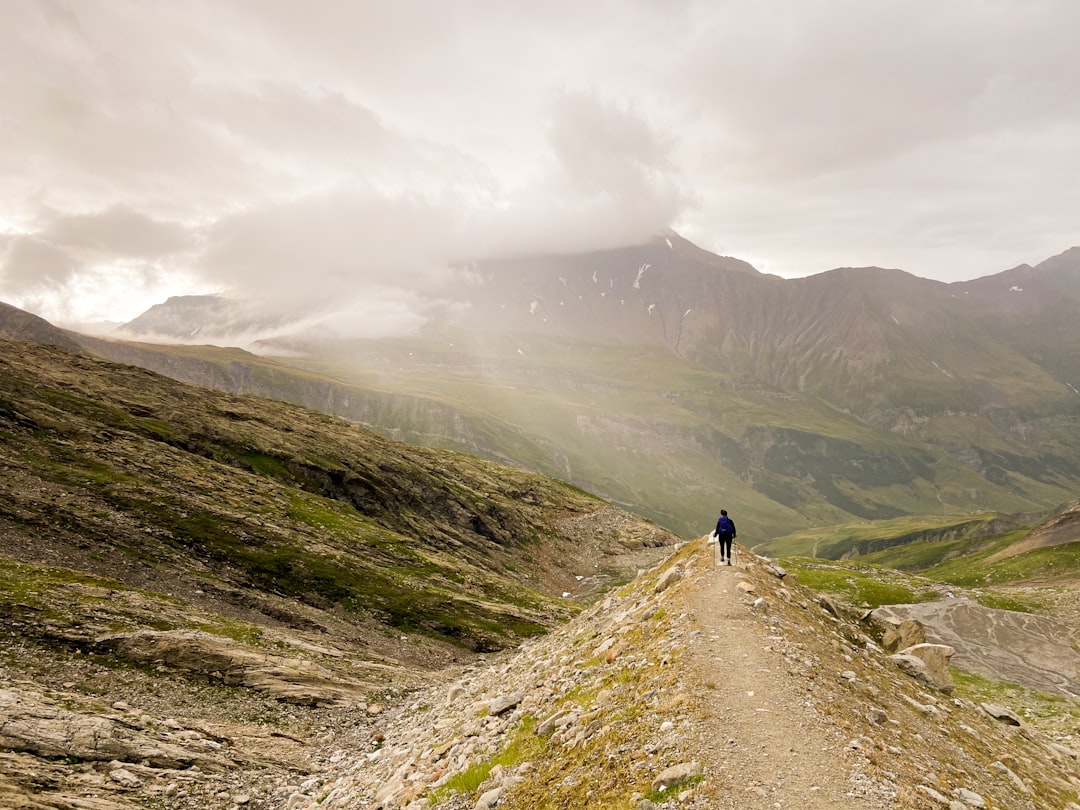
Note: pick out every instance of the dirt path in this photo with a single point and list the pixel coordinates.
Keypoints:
(773, 748)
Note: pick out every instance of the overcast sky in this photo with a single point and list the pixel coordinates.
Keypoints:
(335, 154)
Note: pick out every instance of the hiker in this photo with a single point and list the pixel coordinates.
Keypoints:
(725, 533)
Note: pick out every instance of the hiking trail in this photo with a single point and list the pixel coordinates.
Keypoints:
(773, 746)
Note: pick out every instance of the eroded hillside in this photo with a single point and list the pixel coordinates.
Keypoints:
(226, 558)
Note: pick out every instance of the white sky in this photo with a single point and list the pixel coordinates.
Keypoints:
(332, 155)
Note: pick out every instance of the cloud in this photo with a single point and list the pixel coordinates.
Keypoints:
(118, 231)
(323, 153)
(609, 182)
(316, 249)
(29, 262)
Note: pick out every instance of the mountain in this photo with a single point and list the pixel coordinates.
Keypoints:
(204, 318)
(119, 472)
(16, 324)
(220, 601)
(674, 381)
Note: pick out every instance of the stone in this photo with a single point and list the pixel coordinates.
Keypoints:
(676, 774)
(828, 604)
(1061, 749)
(970, 798)
(936, 658)
(908, 633)
(504, 703)
(489, 799)
(933, 794)
(557, 720)
(745, 587)
(1007, 716)
(669, 578)
(1016, 780)
(125, 778)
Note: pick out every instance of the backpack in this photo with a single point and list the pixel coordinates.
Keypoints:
(724, 525)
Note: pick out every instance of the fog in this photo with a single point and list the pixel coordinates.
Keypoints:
(334, 157)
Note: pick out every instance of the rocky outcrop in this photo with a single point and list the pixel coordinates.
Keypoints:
(1021, 648)
(293, 680)
(37, 725)
(928, 663)
(907, 633)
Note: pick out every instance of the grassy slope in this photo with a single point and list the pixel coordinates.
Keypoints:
(124, 473)
(657, 434)
(915, 553)
(675, 441)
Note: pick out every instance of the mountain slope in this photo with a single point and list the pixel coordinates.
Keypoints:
(231, 494)
(200, 590)
(675, 382)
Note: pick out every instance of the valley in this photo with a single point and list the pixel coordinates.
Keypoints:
(213, 598)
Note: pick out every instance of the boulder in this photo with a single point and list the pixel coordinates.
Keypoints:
(928, 663)
(1007, 716)
(676, 774)
(906, 634)
(669, 578)
(505, 703)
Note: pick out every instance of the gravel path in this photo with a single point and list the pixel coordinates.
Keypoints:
(773, 749)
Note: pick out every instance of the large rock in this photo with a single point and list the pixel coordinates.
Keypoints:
(928, 663)
(1034, 651)
(676, 774)
(906, 634)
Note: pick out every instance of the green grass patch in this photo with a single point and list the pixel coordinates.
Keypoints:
(1053, 562)
(27, 584)
(861, 585)
(915, 536)
(525, 745)
(1043, 709)
(661, 796)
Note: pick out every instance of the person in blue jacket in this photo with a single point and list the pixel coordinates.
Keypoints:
(725, 533)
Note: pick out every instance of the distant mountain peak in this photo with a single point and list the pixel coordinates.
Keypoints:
(18, 324)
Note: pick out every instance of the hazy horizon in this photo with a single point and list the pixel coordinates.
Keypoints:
(333, 157)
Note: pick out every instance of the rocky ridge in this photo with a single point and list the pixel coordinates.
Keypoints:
(627, 707)
(694, 686)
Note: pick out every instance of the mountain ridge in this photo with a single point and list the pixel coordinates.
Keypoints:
(659, 374)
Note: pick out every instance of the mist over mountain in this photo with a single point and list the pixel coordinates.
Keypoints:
(672, 380)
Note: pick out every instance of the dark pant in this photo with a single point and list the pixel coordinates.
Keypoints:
(725, 545)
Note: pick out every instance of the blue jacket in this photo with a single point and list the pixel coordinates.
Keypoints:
(725, 527)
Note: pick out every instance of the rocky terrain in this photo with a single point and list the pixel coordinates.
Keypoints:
(694, 686)
(212, 601)
(201, 584)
